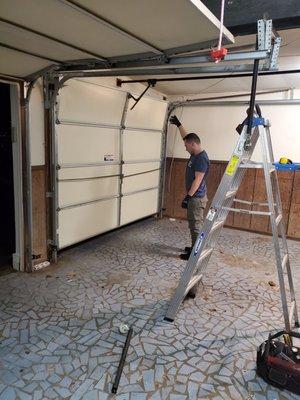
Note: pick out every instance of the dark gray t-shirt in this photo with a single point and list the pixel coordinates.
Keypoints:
(200, 163)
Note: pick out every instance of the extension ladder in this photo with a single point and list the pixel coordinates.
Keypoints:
(222, 204)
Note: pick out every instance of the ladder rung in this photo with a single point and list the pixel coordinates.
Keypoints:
(292, 309)
(230, 193)
(204, 254)
(278, 219)
(251, 203)
(217, 225)
(244, 211)
(251, 164)
(284, 261)
(195, 279)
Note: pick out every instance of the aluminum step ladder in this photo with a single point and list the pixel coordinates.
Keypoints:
(222, 204)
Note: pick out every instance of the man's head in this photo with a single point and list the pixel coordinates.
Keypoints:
(192, 143)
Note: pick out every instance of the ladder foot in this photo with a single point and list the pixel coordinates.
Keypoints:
(190, 295)
(168, 319)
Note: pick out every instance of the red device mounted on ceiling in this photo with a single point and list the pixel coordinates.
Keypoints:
(218, 55)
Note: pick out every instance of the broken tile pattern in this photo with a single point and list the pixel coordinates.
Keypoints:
(59, 334)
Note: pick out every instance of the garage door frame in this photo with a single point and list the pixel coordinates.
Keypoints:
(52, 88)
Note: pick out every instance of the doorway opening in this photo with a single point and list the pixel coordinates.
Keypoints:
(7, 202)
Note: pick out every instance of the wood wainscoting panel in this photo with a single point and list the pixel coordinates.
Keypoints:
(245, 192)
(259, 223)
(179, 188)
(252, 189)
(294, 214)
(286, 180)
(39, 245)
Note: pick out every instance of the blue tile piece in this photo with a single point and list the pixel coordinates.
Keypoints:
(272, 395)
(148, 378)
(63, 392)
(138, 396)
(8, 394)
(83, 388)
(193, 389)
(24, 396)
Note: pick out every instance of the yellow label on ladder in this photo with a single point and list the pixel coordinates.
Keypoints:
(231, 167)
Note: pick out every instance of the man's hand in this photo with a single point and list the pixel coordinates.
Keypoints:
(185, 201)
(175, 121)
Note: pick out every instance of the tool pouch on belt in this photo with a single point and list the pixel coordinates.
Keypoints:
(278, 362)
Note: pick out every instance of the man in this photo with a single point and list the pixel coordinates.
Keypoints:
(195, 183)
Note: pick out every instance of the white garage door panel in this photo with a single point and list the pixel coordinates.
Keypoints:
(140, 182)
(149, 113)
(138, 205)
(79, 223)
(139, 145)
(71, 192)
(129, 169)
(79, 144)
(89, 103)
(83, 143)
(88, 172)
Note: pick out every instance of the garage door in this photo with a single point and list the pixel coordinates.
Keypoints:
(109, 160)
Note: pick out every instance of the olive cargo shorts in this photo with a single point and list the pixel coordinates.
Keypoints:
(195, 211)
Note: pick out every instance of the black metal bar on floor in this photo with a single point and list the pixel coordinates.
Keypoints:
(122, 361)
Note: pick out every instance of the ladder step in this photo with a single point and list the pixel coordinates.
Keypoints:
(245, 211)
(217, 225)
(195, 279)
(278, 219)
(230, 193)
(204, 254)
(252, 203)
(284, 262)
(292, 309)
(251, 164)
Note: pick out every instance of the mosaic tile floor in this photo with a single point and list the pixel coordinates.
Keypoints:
(59, 327)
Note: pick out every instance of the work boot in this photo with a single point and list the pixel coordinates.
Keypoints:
(185, 256)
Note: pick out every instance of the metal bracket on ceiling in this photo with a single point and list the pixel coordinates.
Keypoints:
(151, 83)
(268, 40)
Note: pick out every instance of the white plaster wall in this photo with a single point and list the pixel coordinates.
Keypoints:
(36, 125)
(216, 128)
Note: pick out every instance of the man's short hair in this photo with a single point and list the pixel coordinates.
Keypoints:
(192, 137)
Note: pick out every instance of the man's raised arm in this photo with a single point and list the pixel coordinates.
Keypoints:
(175, 121)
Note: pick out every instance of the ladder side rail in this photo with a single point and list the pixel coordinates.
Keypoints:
(282, 231)
(188, 271)
(274, 176)
(270, 197)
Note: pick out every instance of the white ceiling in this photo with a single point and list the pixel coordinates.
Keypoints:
(60, 30)
(289, 59)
